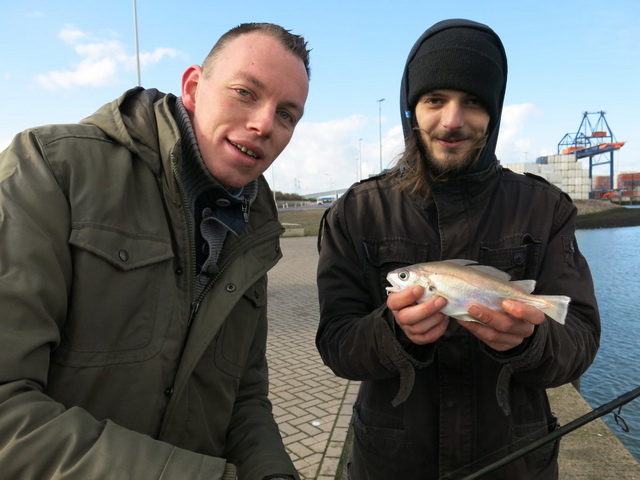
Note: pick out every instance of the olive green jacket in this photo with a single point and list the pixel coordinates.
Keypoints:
(108, 367)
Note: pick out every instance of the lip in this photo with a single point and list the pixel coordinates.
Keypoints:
(257, 151)
(450, 144)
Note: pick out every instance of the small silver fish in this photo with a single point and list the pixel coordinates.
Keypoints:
(465, 282)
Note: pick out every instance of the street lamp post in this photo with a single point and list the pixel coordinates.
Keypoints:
(380, 123)
(135, 34)
(360, 162)
(335, 193)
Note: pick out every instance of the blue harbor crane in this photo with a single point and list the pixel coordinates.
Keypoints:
(592, 141)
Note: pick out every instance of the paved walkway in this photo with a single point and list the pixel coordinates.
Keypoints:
(313, 407)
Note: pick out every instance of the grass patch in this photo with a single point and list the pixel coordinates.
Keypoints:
(309, 219)
(612, 218)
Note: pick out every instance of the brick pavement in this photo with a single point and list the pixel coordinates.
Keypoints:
(311, 405)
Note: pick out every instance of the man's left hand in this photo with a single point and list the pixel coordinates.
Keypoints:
(504, 331)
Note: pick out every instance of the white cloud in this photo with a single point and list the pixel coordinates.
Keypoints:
(329, 155)
(514, 145)
(101, 63)
(4, 144)
(71, 35)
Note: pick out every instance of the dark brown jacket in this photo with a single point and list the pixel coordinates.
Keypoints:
(454, 406)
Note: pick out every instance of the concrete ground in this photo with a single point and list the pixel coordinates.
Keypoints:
(313, 407)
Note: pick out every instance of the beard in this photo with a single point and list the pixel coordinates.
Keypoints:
(450, 167)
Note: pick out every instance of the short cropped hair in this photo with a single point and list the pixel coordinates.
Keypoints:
(296, 44)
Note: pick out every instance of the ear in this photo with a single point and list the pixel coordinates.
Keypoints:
(190, 81)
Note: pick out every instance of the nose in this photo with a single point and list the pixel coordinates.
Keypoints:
(452, 116)
(261, 120)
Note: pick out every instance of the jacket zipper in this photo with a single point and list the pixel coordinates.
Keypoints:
(190, 228)
(195, 305)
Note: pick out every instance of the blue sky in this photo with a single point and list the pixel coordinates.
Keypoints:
(62, 60)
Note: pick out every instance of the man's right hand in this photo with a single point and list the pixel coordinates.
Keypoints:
(422, 323)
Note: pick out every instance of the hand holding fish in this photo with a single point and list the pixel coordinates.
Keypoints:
(503, 331)
(423, 322)
(505, 311)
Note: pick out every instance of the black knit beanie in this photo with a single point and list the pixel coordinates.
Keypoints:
(459, 58)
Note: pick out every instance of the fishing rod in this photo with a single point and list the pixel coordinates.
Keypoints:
(562, 431)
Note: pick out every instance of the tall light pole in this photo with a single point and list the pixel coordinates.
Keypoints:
(135, 33)
(380, 122)
(335, 194)
(360, 162)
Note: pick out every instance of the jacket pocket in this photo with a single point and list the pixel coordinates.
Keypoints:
(385, 254)
(376, 432)
(233, 343)
(524, 435)
(517, 254)
(121, 299)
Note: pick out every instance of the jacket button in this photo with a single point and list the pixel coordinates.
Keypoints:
(518, 259)
(124, 255)
(179, 271)
(231, 287)
(168, 392)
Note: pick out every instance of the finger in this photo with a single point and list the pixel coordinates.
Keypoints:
(419, 312)
(523, 312)
(404, 298)
(495, 339)
(427, 331)
(501, 321)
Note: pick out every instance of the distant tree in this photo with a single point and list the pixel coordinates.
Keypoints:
(288, 196)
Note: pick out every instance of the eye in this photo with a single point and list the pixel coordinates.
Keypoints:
(286, 116)
(242, 92)
(404, 275)
(474, 102)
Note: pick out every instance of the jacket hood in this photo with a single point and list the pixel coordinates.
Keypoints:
(131, 119)
(498, 62)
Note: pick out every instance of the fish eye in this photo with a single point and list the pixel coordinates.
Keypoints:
(403, 275)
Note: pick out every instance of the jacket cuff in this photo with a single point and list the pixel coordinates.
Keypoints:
(512, 364)
(404, 359)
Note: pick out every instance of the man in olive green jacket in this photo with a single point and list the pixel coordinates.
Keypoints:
(134, 248)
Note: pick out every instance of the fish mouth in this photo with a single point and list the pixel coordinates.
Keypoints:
(245, 150)
(393, 288)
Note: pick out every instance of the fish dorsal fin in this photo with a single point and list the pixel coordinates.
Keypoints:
(461, 261)
(526, 286)
(492, 271)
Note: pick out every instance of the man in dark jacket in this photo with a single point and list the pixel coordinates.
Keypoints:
(441, 398)
(134, 249)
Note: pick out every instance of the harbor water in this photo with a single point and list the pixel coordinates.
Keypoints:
(613, 256)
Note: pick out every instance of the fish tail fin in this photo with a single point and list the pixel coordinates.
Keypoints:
(559, 307)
